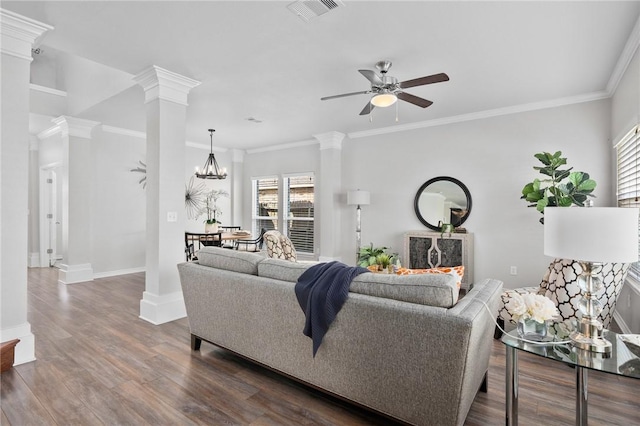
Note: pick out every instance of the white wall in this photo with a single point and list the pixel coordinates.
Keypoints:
(118, 204)
(494, 158)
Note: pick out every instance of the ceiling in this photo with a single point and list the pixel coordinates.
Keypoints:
(258, 60)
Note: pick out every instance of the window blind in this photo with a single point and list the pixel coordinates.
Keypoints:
(265, 204)
(628, 178)
(299, 192)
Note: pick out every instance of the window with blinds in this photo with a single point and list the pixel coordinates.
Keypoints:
(299, 197)
(628, 177)
(265, 204)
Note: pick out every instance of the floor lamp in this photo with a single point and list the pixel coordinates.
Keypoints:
(358, 198)
(591, 236)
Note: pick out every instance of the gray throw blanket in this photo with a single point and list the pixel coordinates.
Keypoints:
(321, 291)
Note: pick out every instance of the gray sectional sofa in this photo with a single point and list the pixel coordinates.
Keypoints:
(403, 346)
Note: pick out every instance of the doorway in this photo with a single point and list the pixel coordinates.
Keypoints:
(50, 214)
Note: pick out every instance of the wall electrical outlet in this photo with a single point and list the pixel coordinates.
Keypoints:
(172, 216)
(513, 270)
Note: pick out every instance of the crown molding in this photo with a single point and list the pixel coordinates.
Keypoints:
(482, 114)
(159, 83)
(124, 132)
(77, 127)
(19, 33)
(204, 147)
(282, 146)
(625, 58)
(49, 90)
(47, 133)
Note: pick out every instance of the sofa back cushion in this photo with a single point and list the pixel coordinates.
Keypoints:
(283, 270)
(440, 290)
(230, 260)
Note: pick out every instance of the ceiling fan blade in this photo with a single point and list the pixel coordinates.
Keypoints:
(367, 109)
(345, 94)
(435, 78)
(372, 77)
(423, 103)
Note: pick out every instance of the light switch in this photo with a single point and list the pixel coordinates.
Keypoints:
(172, 216)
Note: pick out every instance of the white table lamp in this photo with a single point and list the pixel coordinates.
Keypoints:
(358, 198)
(591, 236)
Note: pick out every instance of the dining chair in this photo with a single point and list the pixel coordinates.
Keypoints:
(252, 245)
(212, 239)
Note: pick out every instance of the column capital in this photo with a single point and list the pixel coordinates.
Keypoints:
(71, 126)
(237, 155)
(159, 83)
(330, 140)
(19, 33)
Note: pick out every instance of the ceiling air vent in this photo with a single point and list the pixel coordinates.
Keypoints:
(309, 9)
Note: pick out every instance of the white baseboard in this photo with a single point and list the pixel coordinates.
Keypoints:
(25, 350)
(34, 260)
(161, 309)
(71, 274)
(620, 321)
(119, 272)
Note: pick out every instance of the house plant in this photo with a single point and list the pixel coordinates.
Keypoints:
(561, 187)
(374, 258)
(212, 210)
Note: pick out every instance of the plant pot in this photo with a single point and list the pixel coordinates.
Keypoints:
(211, 228)
(532, 330)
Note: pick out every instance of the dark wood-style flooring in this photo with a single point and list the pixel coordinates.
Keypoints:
(98, 363)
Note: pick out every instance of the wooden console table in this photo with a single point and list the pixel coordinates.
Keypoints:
(428, 249)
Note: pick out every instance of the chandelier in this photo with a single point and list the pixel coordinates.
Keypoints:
(211, 170)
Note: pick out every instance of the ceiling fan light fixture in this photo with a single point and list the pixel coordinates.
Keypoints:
(384, 99)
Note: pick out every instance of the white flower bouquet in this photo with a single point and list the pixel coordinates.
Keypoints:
(531, 306)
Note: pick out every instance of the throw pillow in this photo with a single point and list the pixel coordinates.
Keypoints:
(288, 251)
(454, 270)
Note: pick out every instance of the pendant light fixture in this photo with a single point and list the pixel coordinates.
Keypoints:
(211, 169)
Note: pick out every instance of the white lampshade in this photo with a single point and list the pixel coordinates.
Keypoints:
(358, 197)
(591, 234)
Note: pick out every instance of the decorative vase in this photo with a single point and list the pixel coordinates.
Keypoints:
(532, 330)
(210, 228)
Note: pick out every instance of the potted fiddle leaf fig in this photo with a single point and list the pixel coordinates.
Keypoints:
(560, 187)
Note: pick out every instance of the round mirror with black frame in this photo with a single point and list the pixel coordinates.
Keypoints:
(442, 200)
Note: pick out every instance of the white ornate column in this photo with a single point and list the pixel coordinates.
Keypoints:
(17, 36)
(237, 185)
(166, 110)
(77, 178)
(328, 188)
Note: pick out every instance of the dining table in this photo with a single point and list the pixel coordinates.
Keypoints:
(210, 239)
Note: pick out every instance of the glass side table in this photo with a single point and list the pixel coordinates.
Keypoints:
(621, 362)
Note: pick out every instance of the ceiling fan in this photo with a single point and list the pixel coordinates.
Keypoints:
(388, 90)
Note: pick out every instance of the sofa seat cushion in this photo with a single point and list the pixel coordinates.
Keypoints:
(283, 270)
(440, 290)
(230, 260)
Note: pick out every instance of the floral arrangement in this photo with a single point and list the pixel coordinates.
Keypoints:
(531, 306)
(210, 208)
